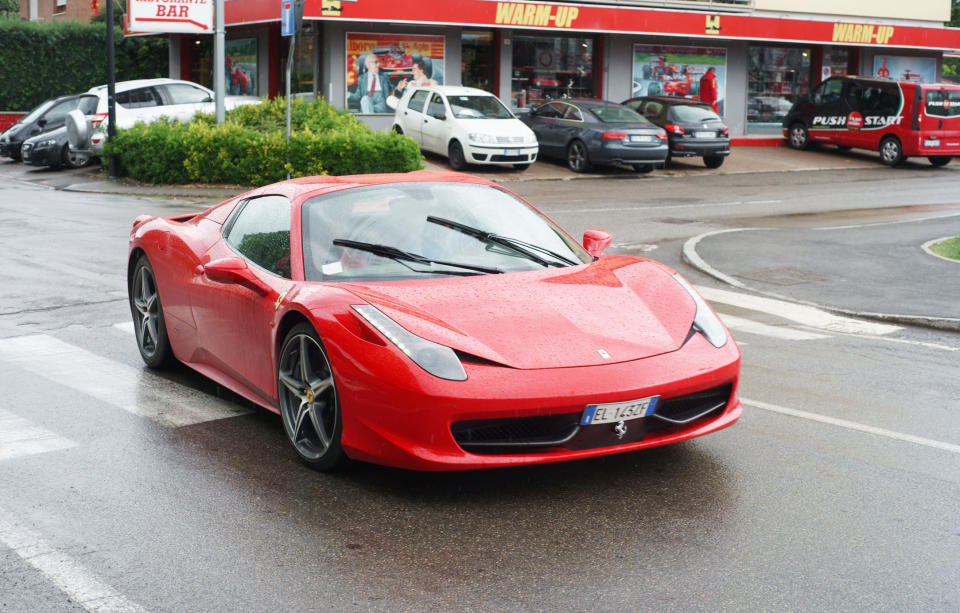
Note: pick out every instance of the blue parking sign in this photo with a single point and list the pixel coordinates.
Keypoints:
(286, 18)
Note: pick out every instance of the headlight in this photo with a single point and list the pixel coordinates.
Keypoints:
(530, 139)
(438, 360)
(705, 321)
(477, 137)
(50, 142)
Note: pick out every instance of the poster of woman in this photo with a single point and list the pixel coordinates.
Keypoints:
(381, 66)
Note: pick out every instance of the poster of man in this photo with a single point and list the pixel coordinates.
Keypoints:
(916, 69)
(381, 66)
(240, 70)
(678, 71)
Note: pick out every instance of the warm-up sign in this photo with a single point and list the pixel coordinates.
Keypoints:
(179, 16)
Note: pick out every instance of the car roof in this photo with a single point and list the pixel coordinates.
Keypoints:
(456, 90)
(585, 101)
(127, 85)
(674, 100)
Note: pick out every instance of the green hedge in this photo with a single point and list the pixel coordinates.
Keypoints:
(250, 147)
(41, 61)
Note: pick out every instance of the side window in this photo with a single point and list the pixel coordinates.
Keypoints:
(828, 92)
(417, 100)
(889, 99)
(546, 110)
(853, 95)
(652, 109)
(58, 113)
(261, 233)
(436, 106)
(572, 113)
(138, 98)
(182, 93)
(88, 105)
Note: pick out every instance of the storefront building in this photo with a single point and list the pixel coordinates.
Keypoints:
(765, 53)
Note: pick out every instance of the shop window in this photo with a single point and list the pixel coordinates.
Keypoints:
(478, 58)
(301, 77)
(777, 77)
(548, 67)
(836, 62)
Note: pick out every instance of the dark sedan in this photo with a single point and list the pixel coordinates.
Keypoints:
(587, 132)
(694, 128)
(52, 149)
(48, 116)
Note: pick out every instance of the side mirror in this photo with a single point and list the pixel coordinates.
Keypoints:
(595, 241)
(440, 116)
(234, 270)
(42, 121)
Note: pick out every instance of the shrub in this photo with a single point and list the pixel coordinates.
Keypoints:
(250, 147)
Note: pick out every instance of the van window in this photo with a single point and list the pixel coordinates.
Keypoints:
(880, 99)
(942, 102)
(828, 92)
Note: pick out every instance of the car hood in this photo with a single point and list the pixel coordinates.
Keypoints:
(496, 127)
(616, 309)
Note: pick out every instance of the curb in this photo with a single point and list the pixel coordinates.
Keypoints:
(691, 257)
(749, 141)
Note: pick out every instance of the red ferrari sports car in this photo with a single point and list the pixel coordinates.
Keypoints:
(431, 321)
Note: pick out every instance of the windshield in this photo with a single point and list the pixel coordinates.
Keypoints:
(37, 112)
(688, 113)
(478, 107)
(942, 102)
(617, 114)
(396, 216)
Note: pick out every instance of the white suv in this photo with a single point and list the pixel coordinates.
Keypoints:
(469, 126)
(143, 100)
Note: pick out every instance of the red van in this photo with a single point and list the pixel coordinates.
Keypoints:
(896, 118)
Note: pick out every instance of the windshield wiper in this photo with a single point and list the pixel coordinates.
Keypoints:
(400, 255)
(522, 247)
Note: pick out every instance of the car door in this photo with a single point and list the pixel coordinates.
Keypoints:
(235, 319)
(411, 117)
(436, 124)
(184, 100)
(829, 122)
(543, 122)
(55, 116)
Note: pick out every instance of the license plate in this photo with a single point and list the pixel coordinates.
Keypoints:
(931, 143)
(704, 134)
(641, 138)
(619, 411)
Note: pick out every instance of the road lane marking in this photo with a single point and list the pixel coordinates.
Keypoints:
(82, 586)
(852, 425)
(799, 313)
(137, 391)
(622, 209)
(749, 326)
(888, 223)
(19, 437)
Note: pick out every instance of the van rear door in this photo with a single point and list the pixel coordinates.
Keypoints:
(939, 119)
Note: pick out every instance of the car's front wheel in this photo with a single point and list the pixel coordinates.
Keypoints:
(713, 161)
(148, 322)
(309, 404)
(799, 137)
(891, 152)
(939, 160)
(577, 157)
(397, 128)
(455, 154)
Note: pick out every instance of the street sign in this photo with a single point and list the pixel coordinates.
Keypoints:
(286, 18)
(175, 16)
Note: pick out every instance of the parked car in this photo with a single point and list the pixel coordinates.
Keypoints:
(47, 116)
(52, 148)
(693, 128)
(338, 302)
(898, 119)
(144, 100)
(587, 132)
(469, 126)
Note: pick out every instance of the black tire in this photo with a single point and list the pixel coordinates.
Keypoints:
(798, 137)
(642, 168)
(521, 166)
(455, 154)
(713, 161)
(149, 325)
(308, 400)
(70, 159)
(397, 129)
(891, 151)
(939, 160)
(578, 159)
(844, 147)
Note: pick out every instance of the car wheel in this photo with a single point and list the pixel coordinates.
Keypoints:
(72, 159)
(148, 321)
(309, 404)
(521, 166)
(397, 129)
(643, 168)
(713, 161)
(891, 152)
(939, 160)
(844, 147)
(577, 157)
(455, 154)
(799, 138)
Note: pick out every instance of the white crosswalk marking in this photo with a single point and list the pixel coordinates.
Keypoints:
(19, 437)
(63, 571)
(140, 392)
(749, 326)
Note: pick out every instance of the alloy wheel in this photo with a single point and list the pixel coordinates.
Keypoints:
(146, 311)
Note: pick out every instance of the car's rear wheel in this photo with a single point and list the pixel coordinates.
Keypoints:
(844, 147)
(713, 161)
(642, 168)
(577, 157)
(799, 137)
(72, 159)
(455, 154)
(397, 129)
(891, 152)
(939, 160)
(309, 404)
(148, 321)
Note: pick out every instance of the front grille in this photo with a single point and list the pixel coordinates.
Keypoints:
(509, 158)
(509, 140)
(533, 434)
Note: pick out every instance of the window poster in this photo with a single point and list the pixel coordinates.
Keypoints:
(677, 71)
(917, 69)
(240, 72)
(380, 66)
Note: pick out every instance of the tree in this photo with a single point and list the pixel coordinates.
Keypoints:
(954, 14)
(9, 9)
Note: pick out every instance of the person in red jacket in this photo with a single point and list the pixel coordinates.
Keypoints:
(708, 88)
